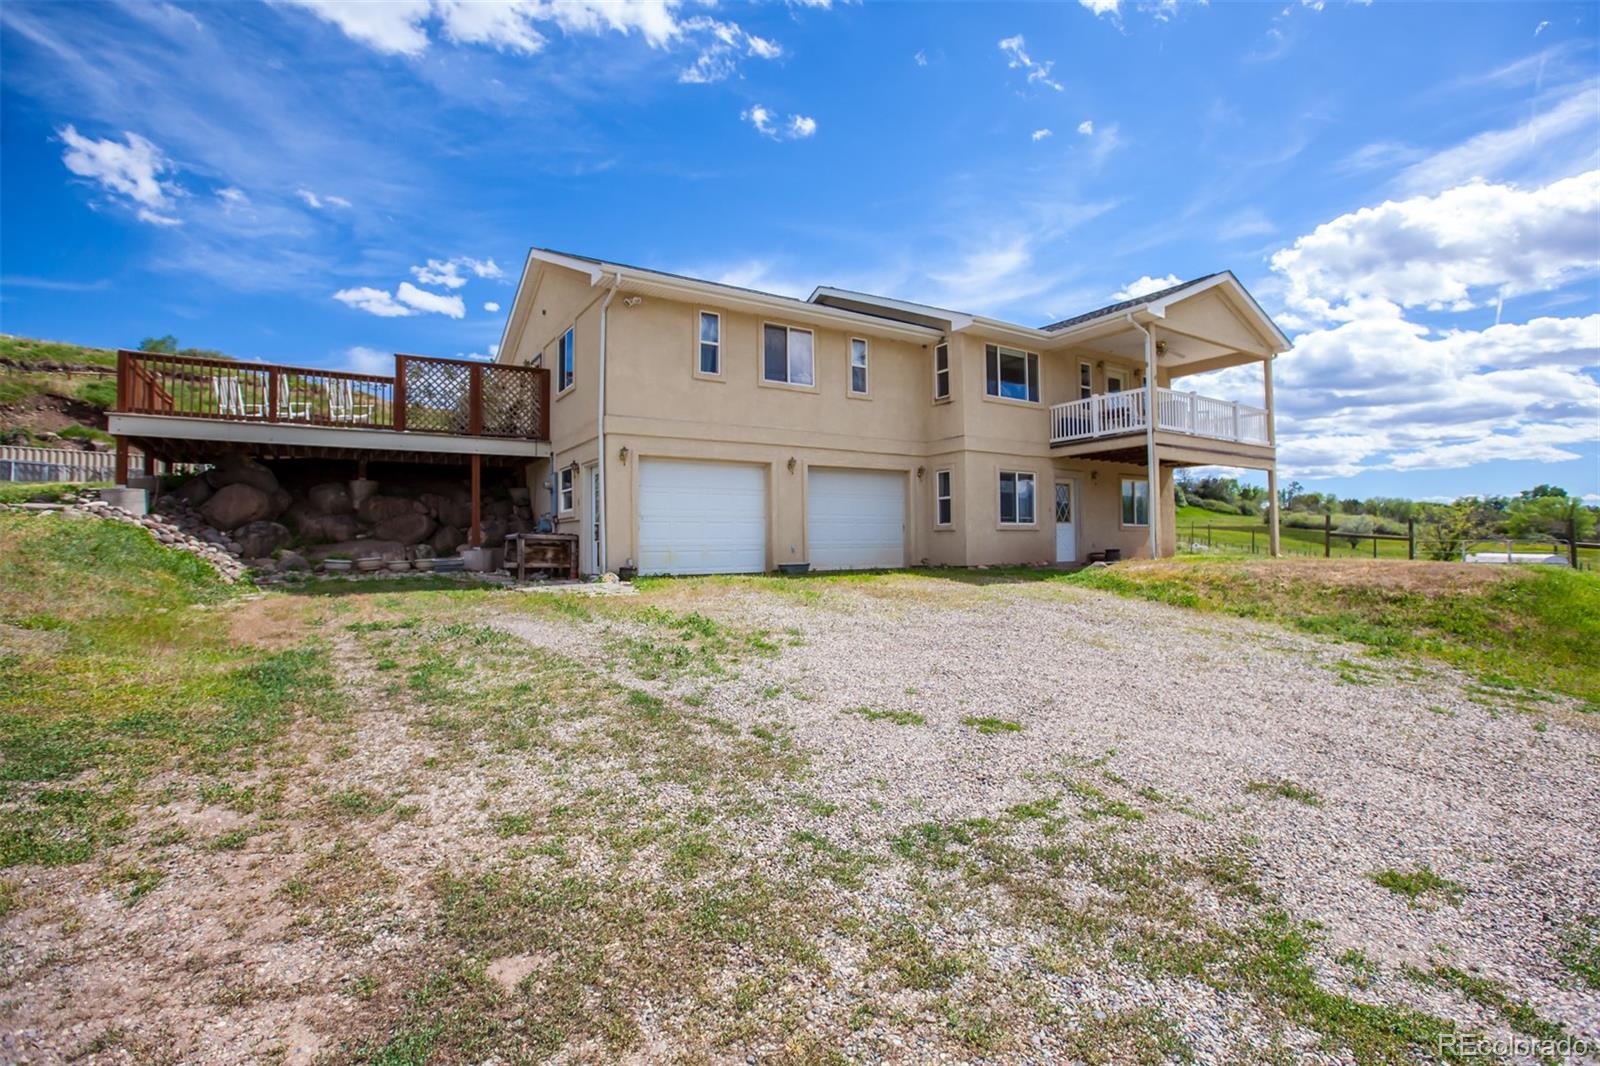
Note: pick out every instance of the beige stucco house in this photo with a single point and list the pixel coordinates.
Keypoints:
(696, 427)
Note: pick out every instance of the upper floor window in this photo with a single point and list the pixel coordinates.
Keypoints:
(1085, 381)
(1012, 375)
(710, 343)
(1016, 499)
(565, 362)
(788, 355)
(858, 366)
(941, 372)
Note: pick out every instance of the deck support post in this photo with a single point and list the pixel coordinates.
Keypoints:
(149, 465)
(1152, 460)
(1273, 546)
(121, 476)
(475, 537)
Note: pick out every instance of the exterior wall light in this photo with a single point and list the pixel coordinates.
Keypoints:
(920, 471)
(622, 455)
(791, 464)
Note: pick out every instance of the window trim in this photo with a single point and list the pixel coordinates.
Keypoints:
(761, 356)
(1085, 387)
(566, 491)
(999, 506)
(1120, 378)
(941, 397)
(1031, 370)
(850, 368)
(567, 360)
(947, 497)
(1122, 499)
(699, 370)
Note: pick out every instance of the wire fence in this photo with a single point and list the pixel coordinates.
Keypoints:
(1330, 542)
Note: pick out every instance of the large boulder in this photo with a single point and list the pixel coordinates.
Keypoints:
(411, 528)
(499, 508)
(282, 500)
(235, 505)
(375, 509)
(452, 510)
(312, 526)
(260, 538)
(330, 498)
(236, 470)
(358, 549)
(446, 539)
(195, 491)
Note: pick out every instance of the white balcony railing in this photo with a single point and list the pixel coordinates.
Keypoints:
(1115, 414)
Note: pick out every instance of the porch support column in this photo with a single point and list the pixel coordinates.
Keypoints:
(121, 475)
(475, 537)
(1272, 512)
(1152, 464)
(1272, 441)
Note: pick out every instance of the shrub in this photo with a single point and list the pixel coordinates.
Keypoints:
(1219, 506)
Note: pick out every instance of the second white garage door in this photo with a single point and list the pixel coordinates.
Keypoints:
(856, 519)
(702, 518)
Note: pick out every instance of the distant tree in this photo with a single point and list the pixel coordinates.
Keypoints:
(1450, 528)
(1549, 514)
(1360, 523)
(1539, 492)
(1287, 493)
(167, 344)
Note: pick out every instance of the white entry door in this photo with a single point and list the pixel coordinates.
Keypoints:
(1066, 530)
(594, 519)
(702, 518)
(855, 519)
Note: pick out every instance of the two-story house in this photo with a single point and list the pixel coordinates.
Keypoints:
(698, 427)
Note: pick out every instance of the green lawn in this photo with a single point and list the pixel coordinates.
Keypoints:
(27, 351)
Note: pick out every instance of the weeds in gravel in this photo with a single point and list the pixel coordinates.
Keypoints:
(991, 726)
(1580, 950)
(873, 714)
(1419, 884)
(1285, 789)
(1492, 995)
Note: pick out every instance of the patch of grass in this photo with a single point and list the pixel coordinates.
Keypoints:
(1363, 970)
(1534, 626)
(141, 881)
(874, 714)
(666, 645)
(1283, 788)
(10, 898)
(26, 351)
(991, 726)
(1493, 995)
(1418, 884)
(1580, 950)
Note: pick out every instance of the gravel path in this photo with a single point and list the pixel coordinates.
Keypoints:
(1407, 770)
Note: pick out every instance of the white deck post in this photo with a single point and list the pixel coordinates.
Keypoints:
(1152, 469)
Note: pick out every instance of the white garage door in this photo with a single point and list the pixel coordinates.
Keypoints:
(702, 518)
(855, 519)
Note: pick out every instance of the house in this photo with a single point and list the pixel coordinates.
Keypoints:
(676, 425)
(698, 427)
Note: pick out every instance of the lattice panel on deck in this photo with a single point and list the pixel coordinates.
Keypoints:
(510, 402)
(437, 396)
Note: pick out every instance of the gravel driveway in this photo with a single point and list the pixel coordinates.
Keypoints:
(1196, 721)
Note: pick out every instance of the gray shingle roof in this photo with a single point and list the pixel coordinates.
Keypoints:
(1129, 305)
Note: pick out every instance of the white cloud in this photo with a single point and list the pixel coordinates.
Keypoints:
(1086, 127)
(491, 307)
(921, 58)
(1039, 135)
(447, 272)
(722, 45)
(233, 197)
(373, 302)
(1541, 27)
(130, 170)
(795, 127)
(1145, 285)
(1247, 223)
(363, 360)
(436, 303)
(1102, 7)
(312, 200)
(1561, 137)
(394, 27)
(1465, 247)
(1017, 58)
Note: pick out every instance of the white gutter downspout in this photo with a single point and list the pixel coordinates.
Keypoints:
(1152, 408)
(600, 428)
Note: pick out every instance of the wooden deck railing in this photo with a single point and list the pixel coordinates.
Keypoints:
(425, 395)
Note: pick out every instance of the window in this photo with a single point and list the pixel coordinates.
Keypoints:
(787, 356)
(564, 483)
(1012, 375)
(1135, 502)
(1085, 381)
(941, 372)
(858, 366)
(941, 498)
(564, 362)
(1113, 382)
(710, 343)
(1016, 499)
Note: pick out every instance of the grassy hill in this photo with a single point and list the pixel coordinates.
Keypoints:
(52, 387)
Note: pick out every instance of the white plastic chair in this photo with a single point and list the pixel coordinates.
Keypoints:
(290, 408)
(342, 405)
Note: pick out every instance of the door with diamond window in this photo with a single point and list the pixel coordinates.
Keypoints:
(1066, 531)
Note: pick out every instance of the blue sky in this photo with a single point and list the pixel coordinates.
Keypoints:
(1412, 189)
